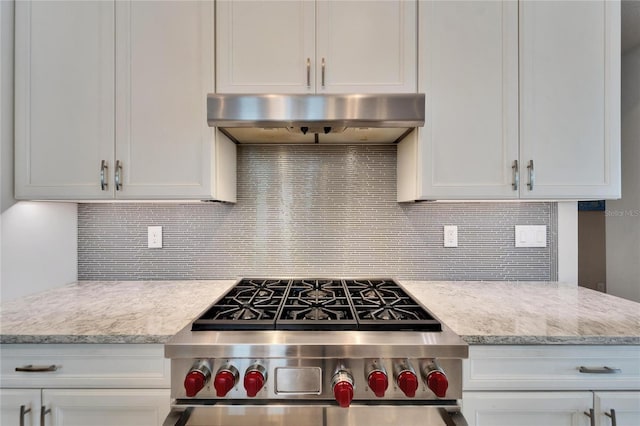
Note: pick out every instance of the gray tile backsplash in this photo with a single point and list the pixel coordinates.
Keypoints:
(314, 211)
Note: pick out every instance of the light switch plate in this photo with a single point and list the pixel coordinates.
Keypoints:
(531, 236)
(450, 236)
(154, 235)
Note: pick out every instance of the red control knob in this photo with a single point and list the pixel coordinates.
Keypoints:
(408, 383)
(253, 382)
(194, 382)
(378, 383)
(438, 383)
(343, 392)
(224, 382)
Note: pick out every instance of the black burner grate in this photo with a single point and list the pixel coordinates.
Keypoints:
(383, 305)
(317, 304)
(253, 304)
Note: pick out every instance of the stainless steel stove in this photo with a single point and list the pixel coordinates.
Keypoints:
(316, 352)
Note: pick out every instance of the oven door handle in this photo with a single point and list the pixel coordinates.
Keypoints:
(178, 418)
(453, 418)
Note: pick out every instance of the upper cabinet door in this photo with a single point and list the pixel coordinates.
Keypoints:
(366, 46)
(468, 62)
(570, 99)
(64, 99)
(165, 68)
(265, 46)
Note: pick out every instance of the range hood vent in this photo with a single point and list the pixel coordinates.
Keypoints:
(327, 119)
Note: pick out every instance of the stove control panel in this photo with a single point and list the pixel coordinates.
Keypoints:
(342, 381)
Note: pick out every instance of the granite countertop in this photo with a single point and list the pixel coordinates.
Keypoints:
(529, 313)
(480, 312)
(107, 311)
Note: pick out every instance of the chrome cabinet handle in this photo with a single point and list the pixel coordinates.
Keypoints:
(599, 370)
(592, 417)
(308, 73)
(532, 175)
(43, 412)
(23, 410)
(118, 175)
(323, 68)
(36, 368)
(612, 416)
(516, 175)
(104, 167)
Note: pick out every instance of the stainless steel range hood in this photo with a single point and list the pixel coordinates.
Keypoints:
(327, 119)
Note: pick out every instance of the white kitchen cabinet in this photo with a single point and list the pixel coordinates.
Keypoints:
(154, 63)
(106, 407)
(20, 407)
(64, 98)
(624, 406)
(316, 47)
(527, 408)
(570, 99)
(92, 384)
(265, 46)
(468, 62)
(544, 385)
(499, 113)
(551, 408)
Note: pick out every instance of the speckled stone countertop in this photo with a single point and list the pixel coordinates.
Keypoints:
(107, 311)
(530, 313)
(480, 312)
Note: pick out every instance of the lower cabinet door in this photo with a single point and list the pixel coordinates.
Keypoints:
(106, 407)
(617, 408)
(19, 407)
(527, 408)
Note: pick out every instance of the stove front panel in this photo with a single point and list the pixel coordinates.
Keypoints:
(311, 379)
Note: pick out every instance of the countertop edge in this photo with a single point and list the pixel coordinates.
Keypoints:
(10, 339)
(552, 340)
(471, 340)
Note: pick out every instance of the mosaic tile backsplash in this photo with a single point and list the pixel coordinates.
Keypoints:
(321, 211)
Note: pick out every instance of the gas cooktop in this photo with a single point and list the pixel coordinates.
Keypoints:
(317, 304)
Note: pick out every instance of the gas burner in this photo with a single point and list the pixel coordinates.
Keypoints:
(317, 304)
(315, 290)
(313, 313)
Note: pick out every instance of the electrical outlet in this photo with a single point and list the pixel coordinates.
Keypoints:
(450, 236)
(154, 235)
(531, 236)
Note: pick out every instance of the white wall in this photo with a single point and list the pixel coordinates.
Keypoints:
(623, 216)
(568, 242)
(38, 241)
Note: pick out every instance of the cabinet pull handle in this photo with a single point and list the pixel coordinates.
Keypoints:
(23, 410)
(592, 417)
(36, 368)
(323, 68)
(104, 167)
(308, 73)
(516, 175)
(612, 416)
(599, 370)
(532, 175)
(118, 175)
(43, 412)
